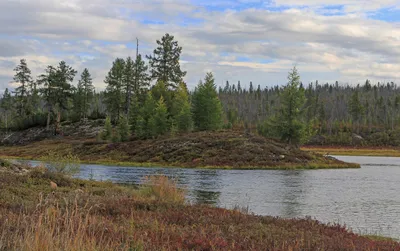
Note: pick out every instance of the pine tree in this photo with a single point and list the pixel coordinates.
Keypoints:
(23, 78)
(207, 109)
(63, 90)
(128, 83)
(141, 77)
(288, 122)
(114, 90)
(48, 81)
(164, 64)
(135, 82)
(57, 90)
(85, 93)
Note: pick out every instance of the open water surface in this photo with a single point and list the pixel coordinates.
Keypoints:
(367, 200)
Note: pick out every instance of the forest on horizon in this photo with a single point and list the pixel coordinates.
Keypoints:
(147, 97)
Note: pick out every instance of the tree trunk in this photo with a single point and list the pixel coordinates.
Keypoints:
(58, 127)
(48, 119)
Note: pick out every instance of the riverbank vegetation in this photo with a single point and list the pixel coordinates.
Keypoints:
(90, 215)
(222, 149)
(354, 151)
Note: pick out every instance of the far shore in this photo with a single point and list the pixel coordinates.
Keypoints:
(310, 166)
(355, 151)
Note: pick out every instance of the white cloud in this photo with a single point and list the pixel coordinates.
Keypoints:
(233, 44)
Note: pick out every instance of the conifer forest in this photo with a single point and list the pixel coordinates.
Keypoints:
(147, 97)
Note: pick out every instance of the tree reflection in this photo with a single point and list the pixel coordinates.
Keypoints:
(206, 187)
(294, 191)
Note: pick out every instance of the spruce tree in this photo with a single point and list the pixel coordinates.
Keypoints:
(6, 108)
(207, 109)
(183, 118)
(160, 90)
(288, 124)
(107, 131)
(123, 129)
(23, 78)
(114, 91)
(161, 117)
(164, 63)
(145, 126)
(140, 127)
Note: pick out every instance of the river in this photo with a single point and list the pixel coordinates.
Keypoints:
(366, 200)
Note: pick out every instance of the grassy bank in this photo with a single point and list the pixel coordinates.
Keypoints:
(224, 149)
(88, 215)
(354, 151)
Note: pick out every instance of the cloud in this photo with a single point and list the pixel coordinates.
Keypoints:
(346, 5)
(241, 40)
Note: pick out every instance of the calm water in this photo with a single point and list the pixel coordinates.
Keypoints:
(367, 200)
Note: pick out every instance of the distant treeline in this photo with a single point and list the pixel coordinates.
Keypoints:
(296, 113)
(335, 114)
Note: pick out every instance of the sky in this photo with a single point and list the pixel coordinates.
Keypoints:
(238, 40)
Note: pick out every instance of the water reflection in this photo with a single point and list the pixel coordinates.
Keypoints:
(293, 190)
(206, 187)
(366, 200)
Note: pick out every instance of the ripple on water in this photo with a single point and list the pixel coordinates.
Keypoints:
(367, 200)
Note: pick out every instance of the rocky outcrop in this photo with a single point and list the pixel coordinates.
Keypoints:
(84, 129)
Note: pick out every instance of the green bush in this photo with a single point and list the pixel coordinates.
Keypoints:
(63, 164)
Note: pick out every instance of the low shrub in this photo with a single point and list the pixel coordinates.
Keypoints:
(68, 164)
(162, 189)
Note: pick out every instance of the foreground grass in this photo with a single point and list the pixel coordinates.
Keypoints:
(222, 150)
(356, 151)
(88, 215)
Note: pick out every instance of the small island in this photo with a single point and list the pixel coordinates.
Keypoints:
(224, 149)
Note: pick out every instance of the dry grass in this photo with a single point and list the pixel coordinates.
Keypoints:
(354, 151)
(88, 215)
(162, 189)
(51, 227)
